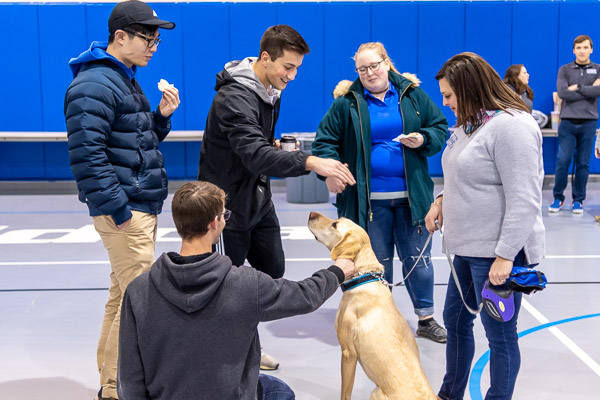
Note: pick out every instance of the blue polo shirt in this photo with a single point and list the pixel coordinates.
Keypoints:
(387, 161)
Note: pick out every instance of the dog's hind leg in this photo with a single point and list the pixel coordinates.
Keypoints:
(349, 360)
(377, 394)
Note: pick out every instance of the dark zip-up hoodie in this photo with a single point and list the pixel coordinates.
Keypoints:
(237, 149)
(189, 326)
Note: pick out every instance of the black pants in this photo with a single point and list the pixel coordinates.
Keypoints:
(261, 245)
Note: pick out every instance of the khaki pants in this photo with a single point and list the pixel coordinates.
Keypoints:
(130, 252)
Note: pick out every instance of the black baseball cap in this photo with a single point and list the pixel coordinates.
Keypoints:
(135, 12)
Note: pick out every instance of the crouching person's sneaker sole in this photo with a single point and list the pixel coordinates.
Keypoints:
(267, 362)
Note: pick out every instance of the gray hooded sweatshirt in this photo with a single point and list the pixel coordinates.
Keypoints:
(493, 189)
(188, 326)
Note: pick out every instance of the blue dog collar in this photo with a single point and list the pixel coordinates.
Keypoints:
(361, 280)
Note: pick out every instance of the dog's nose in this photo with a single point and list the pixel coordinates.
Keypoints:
(313, 215)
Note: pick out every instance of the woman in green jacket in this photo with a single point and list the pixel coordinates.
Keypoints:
(384, 127)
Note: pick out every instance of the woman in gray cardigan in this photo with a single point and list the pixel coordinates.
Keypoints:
(491, 211)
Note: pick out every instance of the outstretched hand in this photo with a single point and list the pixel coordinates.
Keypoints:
(347, 266)
(328, 167)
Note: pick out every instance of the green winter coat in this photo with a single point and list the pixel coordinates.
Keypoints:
(345, 134)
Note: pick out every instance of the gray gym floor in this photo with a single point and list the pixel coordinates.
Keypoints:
(54, 279)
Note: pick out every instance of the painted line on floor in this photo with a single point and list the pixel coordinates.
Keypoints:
(476, 372)
(295, 259)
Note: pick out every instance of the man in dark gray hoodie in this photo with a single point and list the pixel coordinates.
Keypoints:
(189, 325)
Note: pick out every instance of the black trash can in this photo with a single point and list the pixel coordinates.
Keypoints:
(306, 188)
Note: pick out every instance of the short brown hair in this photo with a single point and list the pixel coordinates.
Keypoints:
(581, 39)
(194, 206)
(278, 38)
(477, 88)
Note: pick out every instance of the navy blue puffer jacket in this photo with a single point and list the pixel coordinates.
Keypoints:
(113, 143)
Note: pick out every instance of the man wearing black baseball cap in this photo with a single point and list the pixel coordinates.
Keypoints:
(113, 151)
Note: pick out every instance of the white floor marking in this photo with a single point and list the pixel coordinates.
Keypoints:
(578, 351)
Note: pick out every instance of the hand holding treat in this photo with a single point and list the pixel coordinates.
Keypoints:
(170, 98)
(412, 140)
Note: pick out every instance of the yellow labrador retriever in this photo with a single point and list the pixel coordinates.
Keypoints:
(369, 327)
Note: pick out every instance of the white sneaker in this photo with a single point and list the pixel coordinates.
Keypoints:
(267, 362)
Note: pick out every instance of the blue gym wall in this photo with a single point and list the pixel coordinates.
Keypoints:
(39, 39)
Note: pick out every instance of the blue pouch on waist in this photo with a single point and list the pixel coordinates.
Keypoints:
(526, 280)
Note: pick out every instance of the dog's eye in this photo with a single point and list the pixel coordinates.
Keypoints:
(334, 225)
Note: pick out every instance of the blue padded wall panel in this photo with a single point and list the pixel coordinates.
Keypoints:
(302, 105)
(56, 156)
(549, 149)
(396, 26)
(248, 23)
(21, 102)
(192, 159)
(441, 35)
(21, 161)
(96, 21)
(577, 18)
(535, 45)
(438, 41)
(342, 38)
(490, 40)
(58, 44)
(167, 62)
(202, 59)
(174, 156)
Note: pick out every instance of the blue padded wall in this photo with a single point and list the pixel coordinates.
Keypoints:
(419, 36)
(305, 99)
(21, 103)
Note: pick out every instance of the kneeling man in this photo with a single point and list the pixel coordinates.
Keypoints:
(189, 325)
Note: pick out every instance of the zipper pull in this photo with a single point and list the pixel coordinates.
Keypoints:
(370, 216)
(419, 229)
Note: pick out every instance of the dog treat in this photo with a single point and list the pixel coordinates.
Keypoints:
(403, 136)
(163, 84)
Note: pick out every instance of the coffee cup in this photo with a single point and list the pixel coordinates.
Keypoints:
(555, 118)
(288, 143)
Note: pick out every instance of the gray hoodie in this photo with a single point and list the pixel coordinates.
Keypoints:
(188, 326)
(493, 189)
(242, 72)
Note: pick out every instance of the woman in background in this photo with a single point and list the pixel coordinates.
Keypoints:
(517, 78)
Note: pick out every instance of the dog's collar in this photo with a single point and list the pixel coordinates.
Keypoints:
(361, 280)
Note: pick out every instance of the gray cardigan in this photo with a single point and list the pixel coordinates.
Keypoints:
(493, 189)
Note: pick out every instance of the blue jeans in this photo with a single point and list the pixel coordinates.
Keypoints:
(574, 139)
(392, 225)
(505, 358)
(274, 388)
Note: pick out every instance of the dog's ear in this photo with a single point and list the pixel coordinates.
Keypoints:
(348, 247)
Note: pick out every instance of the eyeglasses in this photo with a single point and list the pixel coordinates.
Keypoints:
(373, 67)
(226, 214)
(151, 42)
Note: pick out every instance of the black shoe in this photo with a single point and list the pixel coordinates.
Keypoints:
(432, 331)
(99, 397)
